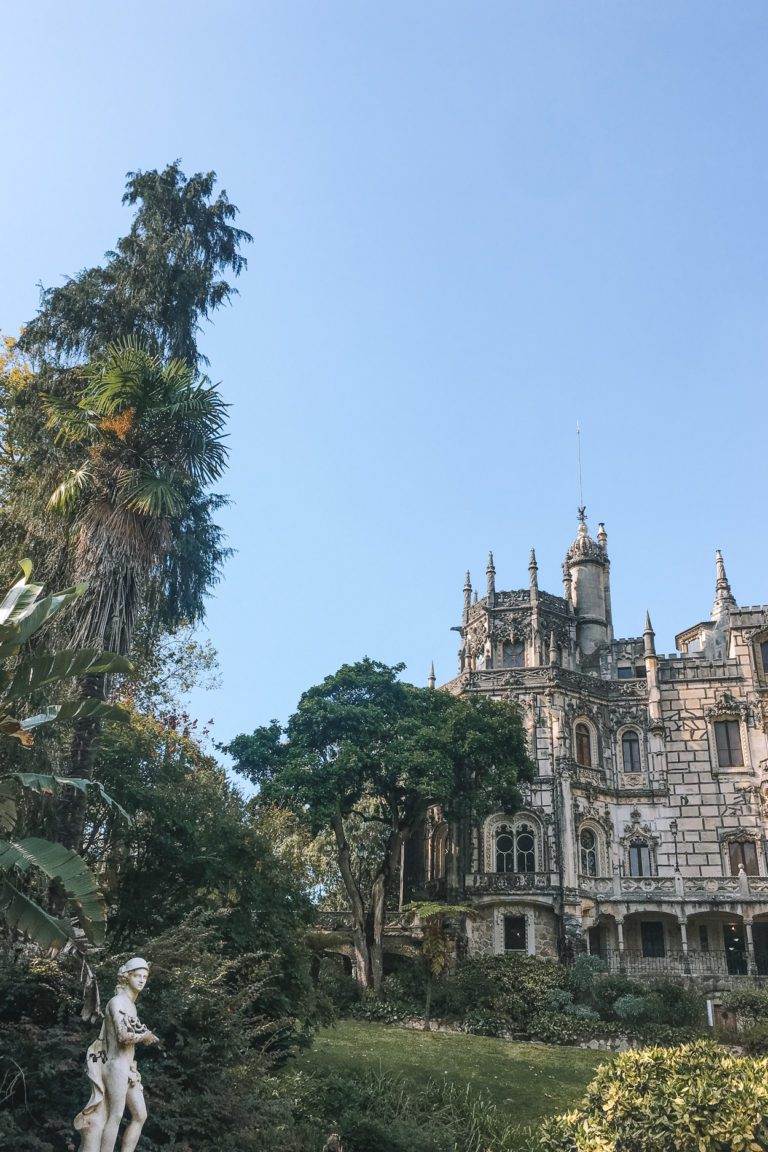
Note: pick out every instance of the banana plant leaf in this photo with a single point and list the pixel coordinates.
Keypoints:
(62, 864)
(55, 667)
(27, 917)
(48, 785)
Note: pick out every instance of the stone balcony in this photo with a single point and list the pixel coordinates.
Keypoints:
(502, 883)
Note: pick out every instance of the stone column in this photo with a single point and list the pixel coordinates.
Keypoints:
(620, 933)
(683, 924)
(567, 831)
(751, 965)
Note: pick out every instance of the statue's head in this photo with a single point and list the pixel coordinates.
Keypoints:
(133, 974)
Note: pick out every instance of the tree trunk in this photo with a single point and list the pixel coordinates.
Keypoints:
(428, 1005)
(378, 905)
(362, 955)
(70, 809)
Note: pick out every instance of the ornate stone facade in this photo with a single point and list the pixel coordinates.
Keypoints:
(643, 834)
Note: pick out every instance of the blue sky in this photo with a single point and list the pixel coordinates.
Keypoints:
(475, 224)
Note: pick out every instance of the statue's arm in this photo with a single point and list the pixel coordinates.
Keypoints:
(129, 1029)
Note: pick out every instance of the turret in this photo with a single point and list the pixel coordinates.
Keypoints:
(586, 574)
(431, 679)
(724, 598)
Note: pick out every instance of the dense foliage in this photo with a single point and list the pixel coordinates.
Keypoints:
(365, 744)
(695, 1098)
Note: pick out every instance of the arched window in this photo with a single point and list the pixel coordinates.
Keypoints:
(588, 852)
(640, 858)
(630, 752)
(583, 745)
(505, 850)
(515, 848)
(526, 849)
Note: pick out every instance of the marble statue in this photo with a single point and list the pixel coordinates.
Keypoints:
(112, 1071)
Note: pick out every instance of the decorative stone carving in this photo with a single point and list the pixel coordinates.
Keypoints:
(728, 707)
(112, 1071)
(638, 831)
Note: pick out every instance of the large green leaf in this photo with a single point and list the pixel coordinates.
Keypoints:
(27, 917)
(89, 709)
(47, 785)
(41, 670)
(15, 633)
(62, 864)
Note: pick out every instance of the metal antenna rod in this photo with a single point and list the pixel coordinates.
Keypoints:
(582, 509)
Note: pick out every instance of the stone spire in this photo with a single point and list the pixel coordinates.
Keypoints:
(649, 635)
(552, 649)
(533, 570)
(602, 536)
(467, 595)
(431, 679)
(724, 598)
(490, 573)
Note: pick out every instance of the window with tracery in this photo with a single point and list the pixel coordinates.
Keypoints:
(515, 848)
(588, 852)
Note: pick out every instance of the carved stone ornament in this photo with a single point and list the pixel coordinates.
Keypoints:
(638, 831)
(728, 707)
(739, 835)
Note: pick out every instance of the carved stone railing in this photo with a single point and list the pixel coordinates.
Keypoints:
(480, 883)
(597, 885)
(648, 885)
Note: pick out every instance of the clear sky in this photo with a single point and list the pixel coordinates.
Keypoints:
(475, 224)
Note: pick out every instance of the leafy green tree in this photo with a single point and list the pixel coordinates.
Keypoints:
(363, 743)
(23, 612)
(192, 846)
(159, 282)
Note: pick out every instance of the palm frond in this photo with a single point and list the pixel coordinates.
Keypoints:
(35, 673)
(71, 488)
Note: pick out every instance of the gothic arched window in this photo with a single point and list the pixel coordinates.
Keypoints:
(525, 849)
(505, 850)
(588, 852)
(630, 752)
(583, 745)
(515, 848)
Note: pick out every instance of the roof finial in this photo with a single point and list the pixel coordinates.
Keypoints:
(724, 598)
(431, 679)
(467, 595)
(552, 649)
(490, 573)
(649, 642)
(582, 506)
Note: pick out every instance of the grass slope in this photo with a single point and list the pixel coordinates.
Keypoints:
(526, 1081)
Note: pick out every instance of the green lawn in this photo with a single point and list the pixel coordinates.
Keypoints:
(528, 1081)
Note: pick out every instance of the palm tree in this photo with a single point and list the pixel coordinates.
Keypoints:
(149, 437)
(23, 612)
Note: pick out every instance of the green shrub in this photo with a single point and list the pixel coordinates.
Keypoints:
(749, 1004)
(512, 987)
(336, 985)
(483, 1022)
(567, 1028)
(694, 1098)
(608, 988)
(676, 1005)
(755, 1038)
(581, 976)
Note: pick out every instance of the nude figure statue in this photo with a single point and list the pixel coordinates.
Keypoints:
(112, 1071)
